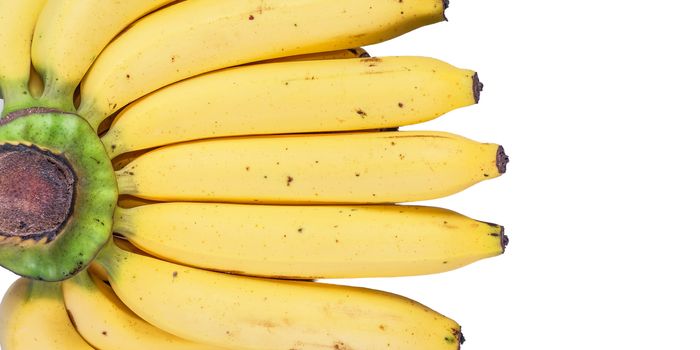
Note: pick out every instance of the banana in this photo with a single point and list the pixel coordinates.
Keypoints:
(259, 314)
(70, 34)
(295, 97)
(307, 242)
(17, 20)
(365, 167)
(106, 323)
(33, 317)
(194, 37)
(317, 56)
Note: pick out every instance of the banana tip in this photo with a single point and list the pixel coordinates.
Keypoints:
(504, 239)
(501, 160)
(477, 87)
(459, 336)
(445, 5)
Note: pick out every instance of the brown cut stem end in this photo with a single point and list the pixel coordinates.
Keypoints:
(37, 191)
(477, 87)
(445, 5)
(458, 336)
(501, 160)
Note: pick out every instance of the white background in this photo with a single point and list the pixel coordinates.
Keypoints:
(595, 102)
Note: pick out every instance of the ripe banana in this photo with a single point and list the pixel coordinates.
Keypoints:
(294, 97)
(70, 34)
(106, 323)
(366, 167)
(260, 314)
(194, 37)
(307, 242)
(316, 56)
(17, 19)
(33, 317)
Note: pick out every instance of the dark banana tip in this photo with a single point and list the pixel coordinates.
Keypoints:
(504, 239)
(365, 55)
(458, 336)
(445, 5)
(501, 160)
(477, 87)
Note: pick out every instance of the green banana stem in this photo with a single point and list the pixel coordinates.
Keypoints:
(15, 97)
(60, 95)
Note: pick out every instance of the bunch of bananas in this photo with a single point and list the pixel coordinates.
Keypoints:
(177, 174)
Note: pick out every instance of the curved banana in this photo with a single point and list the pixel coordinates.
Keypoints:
(194, 37)
(295, 97)
(365, 167)
(308, 242)
(17, 20)
(106, 323)
(33, 317)
(316, 56)
(70, 34)
(259, 314)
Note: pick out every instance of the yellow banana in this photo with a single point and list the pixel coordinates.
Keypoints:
(17, 20)
(306, 242)
(33, 317)
(365, 167)
(106, 323)
(316, 56)
(295, 97)
(194, 37)
(70, 34)
(259, 314)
